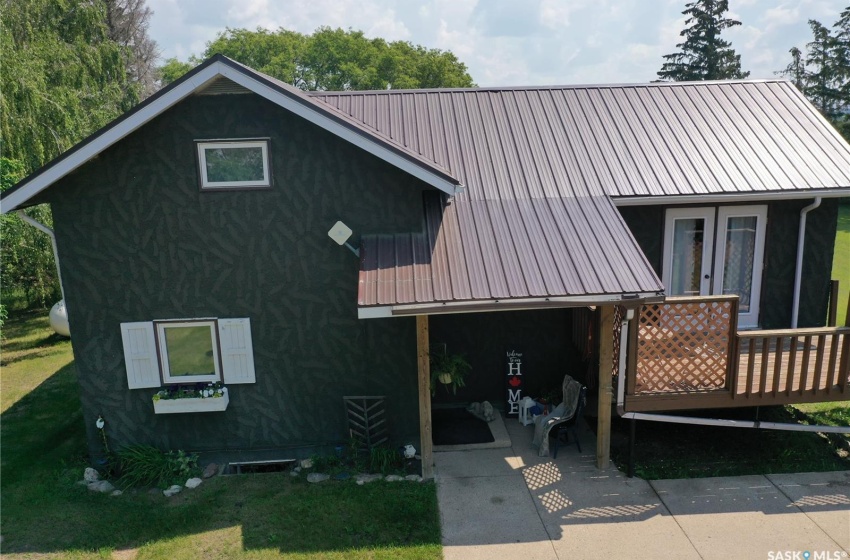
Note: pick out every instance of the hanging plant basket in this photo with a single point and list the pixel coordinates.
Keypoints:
(445, 378)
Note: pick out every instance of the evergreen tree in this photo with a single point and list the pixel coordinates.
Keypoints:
(796, 69)
(704, 55)
(821, 84)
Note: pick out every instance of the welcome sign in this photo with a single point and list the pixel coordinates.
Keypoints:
(514, 370)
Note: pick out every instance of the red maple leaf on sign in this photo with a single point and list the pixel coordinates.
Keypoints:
(515, 381)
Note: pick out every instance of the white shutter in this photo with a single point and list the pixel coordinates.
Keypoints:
(140, 355)
(237, 351)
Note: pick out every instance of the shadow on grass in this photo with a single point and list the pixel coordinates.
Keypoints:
(45, 511)
(665, 450)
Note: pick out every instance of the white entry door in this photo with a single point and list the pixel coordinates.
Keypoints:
(688, 240)
(696, 262)
(739, 258)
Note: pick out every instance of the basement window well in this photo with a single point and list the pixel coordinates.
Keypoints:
(234, 164)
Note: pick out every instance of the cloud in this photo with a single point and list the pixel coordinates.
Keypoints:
(511, 42)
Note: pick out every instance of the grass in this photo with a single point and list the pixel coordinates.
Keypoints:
(689, 451)
(46, 515)
(841, 260)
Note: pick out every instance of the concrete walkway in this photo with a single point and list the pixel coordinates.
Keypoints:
(508, 503)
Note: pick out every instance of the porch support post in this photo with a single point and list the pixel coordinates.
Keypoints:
(424, 366)
(606, 391)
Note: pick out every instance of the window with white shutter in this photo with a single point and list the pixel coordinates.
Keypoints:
(140, 355)
(188, 351)
(237, 352)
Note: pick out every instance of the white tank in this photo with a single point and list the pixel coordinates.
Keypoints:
(59, 319)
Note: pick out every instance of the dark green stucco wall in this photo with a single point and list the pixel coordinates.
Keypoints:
(783, 221)
(783, 225)
(647, 226)
(139, 242)
(543, 336)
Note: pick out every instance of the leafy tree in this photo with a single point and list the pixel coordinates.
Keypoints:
(172, 70)
(62, 79)
(128, 22)
(69, 67)
(27, 268)
(333, 59)
(704, 55)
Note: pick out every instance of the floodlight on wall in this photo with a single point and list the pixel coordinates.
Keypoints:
(341, 233)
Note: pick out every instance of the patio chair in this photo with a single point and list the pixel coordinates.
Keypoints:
(564, 412)
(570, 426)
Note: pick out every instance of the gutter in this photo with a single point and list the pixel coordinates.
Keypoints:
(798, 271)
(41, 227)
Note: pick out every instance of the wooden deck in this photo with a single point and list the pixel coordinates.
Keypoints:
(695, 365)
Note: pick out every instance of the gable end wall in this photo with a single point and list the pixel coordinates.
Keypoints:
(138, 241)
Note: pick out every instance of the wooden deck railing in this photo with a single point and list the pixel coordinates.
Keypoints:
(793, 362)
(685, 353)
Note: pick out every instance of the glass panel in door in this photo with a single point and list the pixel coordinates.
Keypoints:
(688, 239)
(740, 255)
(739, 259)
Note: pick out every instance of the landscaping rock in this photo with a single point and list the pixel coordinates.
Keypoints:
(293, 472)
(193, 482)
(306, 463)
(363, 478)
(91, 475)
(116, 493)
(210, 471)
(296, 470)
(102, 486)
(393, 478)
(172, 490)
(317, 477)
(413, 478)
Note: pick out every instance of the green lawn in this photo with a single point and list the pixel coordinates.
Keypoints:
(841, 261)
(46, 515)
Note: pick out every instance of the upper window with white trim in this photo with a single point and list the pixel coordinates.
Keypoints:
(234, 164)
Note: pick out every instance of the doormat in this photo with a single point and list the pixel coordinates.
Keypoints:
(456, 426)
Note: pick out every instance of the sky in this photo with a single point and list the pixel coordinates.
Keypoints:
(512, 42)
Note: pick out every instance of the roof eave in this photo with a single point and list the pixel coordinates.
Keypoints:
(17, 196)
(799, 194)
(506, 304)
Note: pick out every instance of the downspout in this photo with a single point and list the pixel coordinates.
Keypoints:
(798, 272)
(39, 226)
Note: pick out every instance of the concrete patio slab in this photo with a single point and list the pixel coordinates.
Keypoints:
(823, 497)
(740, 517)
(490, 517)
(510, 503)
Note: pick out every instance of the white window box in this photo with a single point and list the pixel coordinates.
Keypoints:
(209, 404)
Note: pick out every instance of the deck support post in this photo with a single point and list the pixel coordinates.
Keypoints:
(632, 436)
(426, 445)
(606, 391)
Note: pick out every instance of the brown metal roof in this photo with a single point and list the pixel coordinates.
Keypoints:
(541, 165)
(671, 139)
(488, 250)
